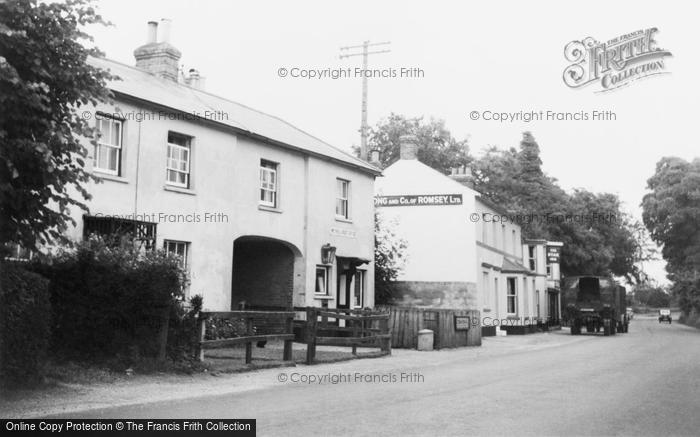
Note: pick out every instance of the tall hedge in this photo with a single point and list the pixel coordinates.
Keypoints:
(25, 315)
(112, 302)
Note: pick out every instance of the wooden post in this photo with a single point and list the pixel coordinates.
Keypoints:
(287, 355)
(202, 330)
(311, 323)
(249, 345)
(438, 331)
(355, 333)
(384, 329)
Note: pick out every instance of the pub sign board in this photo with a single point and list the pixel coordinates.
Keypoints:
(462, 323)
(553, 254)
(418, 200)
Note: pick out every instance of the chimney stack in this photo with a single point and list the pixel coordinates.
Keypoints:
(159, 57)
(463, 175)
(409, 147)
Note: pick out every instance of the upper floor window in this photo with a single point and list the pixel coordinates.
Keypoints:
(268, 183)
(342, 201)
(532, 258)
(178, 162)
(108, 150)
(514, 242)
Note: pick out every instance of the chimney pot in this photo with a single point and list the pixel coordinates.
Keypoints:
(165, 30)
(152, 32)
(409, 147)
(463, 175)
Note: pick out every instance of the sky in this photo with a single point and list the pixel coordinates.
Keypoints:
(505, 56)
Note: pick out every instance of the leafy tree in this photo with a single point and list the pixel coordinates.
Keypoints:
(44, 79)
(671, 213)
(389, 258)
(598, 237)
(652, 296)
(437, 147)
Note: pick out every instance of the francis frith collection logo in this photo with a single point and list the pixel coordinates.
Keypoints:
(616, 62)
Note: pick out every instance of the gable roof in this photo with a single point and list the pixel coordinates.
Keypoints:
(410, 176)
(144, 86)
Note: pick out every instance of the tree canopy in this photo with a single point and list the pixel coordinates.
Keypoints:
(436, 145)
(44, 80)
(599, 238)
(671, 213)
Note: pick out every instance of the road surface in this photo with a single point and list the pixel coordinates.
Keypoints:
(646, 382)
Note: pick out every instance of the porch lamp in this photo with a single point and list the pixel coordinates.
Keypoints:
(327, 254)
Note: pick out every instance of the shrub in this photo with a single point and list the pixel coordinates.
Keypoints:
(112, 302)
(25, 313)
(182, 330)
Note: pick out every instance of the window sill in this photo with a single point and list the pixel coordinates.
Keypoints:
(110, 177)
(342, 219)
(323, 297)
(181, 190)
(512, 317)
(269, 209)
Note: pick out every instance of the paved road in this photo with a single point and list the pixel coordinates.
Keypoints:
(646, 382)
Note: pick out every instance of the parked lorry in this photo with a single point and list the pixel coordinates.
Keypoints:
(596, 303)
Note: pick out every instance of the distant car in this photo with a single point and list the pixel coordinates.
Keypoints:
(665, 316)
(630, 313)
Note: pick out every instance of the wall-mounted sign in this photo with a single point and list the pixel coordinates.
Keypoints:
(462, 323)
(553, 254)
(418, 200)
(340, 232)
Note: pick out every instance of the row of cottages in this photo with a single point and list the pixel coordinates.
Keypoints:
(261, 212)
(461, 253)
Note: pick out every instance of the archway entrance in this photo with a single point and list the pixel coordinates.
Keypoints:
(263, 273)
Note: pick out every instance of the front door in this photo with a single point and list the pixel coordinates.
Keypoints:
(553, 313)
(346, 274)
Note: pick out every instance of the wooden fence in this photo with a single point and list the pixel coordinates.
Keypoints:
(250, 335)
(363, 328)
(405, 322)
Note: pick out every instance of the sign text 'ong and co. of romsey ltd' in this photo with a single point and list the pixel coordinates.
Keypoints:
(418, 200)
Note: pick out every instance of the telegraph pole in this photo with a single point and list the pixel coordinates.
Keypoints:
(365, 54)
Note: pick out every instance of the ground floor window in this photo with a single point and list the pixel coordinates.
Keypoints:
(512, 296)
(322, 275)
(179, 248)
(117, 231)
(15, 252)
(359, 292)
